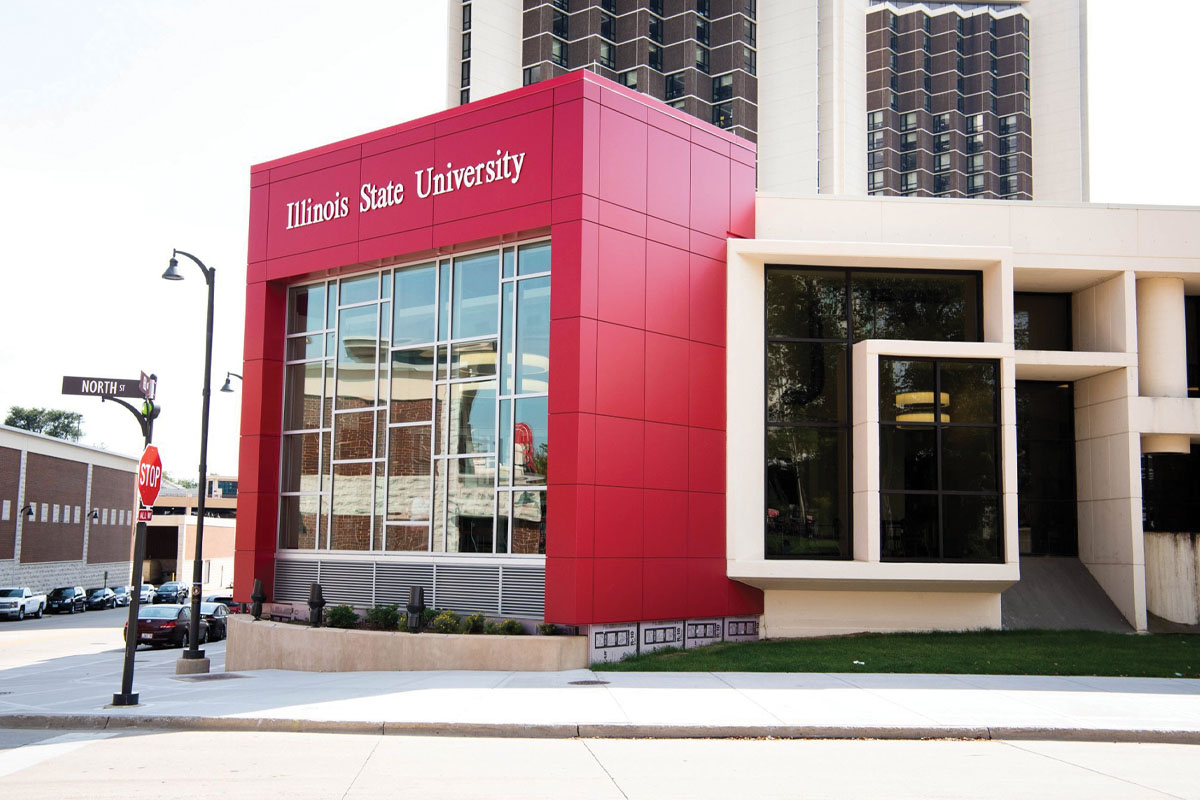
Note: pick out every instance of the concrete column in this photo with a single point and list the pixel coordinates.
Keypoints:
(1162, 354)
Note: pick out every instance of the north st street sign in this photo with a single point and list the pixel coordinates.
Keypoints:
(102, 387)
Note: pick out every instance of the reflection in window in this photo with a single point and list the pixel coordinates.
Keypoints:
(939, 460)
(357, 343)
(429, 399)
(1041, 321)
(813, 317)
(533, 336)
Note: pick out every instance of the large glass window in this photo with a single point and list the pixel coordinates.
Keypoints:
(939, 460)
(415, 409)
(813, 317)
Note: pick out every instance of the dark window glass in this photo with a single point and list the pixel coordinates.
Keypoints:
(529, 75)
(656, 30)
(674, 85)
(749, 60)
(629, 79)
(702, 8)
(608, 57)
(722, 115)
(892, 305)
(806, 304)
(558, 24)
(1169, 498)
(722, 88)
(703, 29)
(749, 31)
(608, 27)
(655, 59)
(656, 6)
(466, 45)
(558, 52)
(805, 382)
(1041, 321)
(1046, 511)
(875, 160)
(466, 73)
(702, 58)
(939, 474)
(563, 4)
(466, 26)
(807, 498)
(908, 161)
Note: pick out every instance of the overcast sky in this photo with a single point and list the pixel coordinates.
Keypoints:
(129, 128)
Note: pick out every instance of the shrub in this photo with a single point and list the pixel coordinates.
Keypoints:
(402, 620)
(384, 618)
(547, 629)
(491, 628)
(512, 627)
(340, 617)
(445, 622)
(473, 624)
(427, 616)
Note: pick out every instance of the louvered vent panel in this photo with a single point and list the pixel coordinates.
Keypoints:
(523, 592)
(468, 589)
(392, 582)
(346, 582)
(292, 580)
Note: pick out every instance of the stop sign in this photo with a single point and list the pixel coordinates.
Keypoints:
(149, 476)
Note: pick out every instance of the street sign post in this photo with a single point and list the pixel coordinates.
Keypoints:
(148, 385)
(102, 387)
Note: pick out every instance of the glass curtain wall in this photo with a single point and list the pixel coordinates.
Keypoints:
(813, 318)
(415, 408)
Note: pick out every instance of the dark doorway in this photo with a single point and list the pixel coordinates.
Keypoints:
(162, 552)
(1046, 501)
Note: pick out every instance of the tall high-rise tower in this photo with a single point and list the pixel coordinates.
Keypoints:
(984, 100)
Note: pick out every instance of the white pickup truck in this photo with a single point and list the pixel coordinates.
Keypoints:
(16, 603)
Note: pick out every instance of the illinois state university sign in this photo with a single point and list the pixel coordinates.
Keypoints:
(405, 180)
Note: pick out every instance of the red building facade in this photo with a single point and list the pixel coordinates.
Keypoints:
(637, 202)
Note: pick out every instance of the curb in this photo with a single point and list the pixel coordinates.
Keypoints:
(593, 730)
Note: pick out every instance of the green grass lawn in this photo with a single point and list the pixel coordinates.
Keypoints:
(1031, 652)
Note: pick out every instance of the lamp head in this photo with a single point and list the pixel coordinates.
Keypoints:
(172, 273)
(227, 387)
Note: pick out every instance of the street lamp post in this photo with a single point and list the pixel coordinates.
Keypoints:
(194, 653)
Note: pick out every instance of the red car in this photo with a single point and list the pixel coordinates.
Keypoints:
(166, 625)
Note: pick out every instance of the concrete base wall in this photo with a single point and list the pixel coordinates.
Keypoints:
(826, 613)
(1172, 570)
(276, 645)
(42, 577)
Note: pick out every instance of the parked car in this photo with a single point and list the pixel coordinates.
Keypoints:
(123, 595)
(228, 601)
(165, 625)
(146, 595)
(100, 598)
(171, 592)
(20, 601)
(216, 615)
(66, 600)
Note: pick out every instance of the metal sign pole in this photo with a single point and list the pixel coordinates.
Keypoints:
(113, 389)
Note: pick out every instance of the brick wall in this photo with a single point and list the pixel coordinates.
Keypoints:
(54, 483)
(10, 478)
(113, 490)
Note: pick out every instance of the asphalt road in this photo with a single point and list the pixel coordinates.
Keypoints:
(54, 636)
(110, 764)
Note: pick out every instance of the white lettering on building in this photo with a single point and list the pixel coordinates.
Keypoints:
(506, 166)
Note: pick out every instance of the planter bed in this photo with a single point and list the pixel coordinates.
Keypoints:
(276, 645)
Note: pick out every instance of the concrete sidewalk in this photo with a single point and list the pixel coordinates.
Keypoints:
(75, 692)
